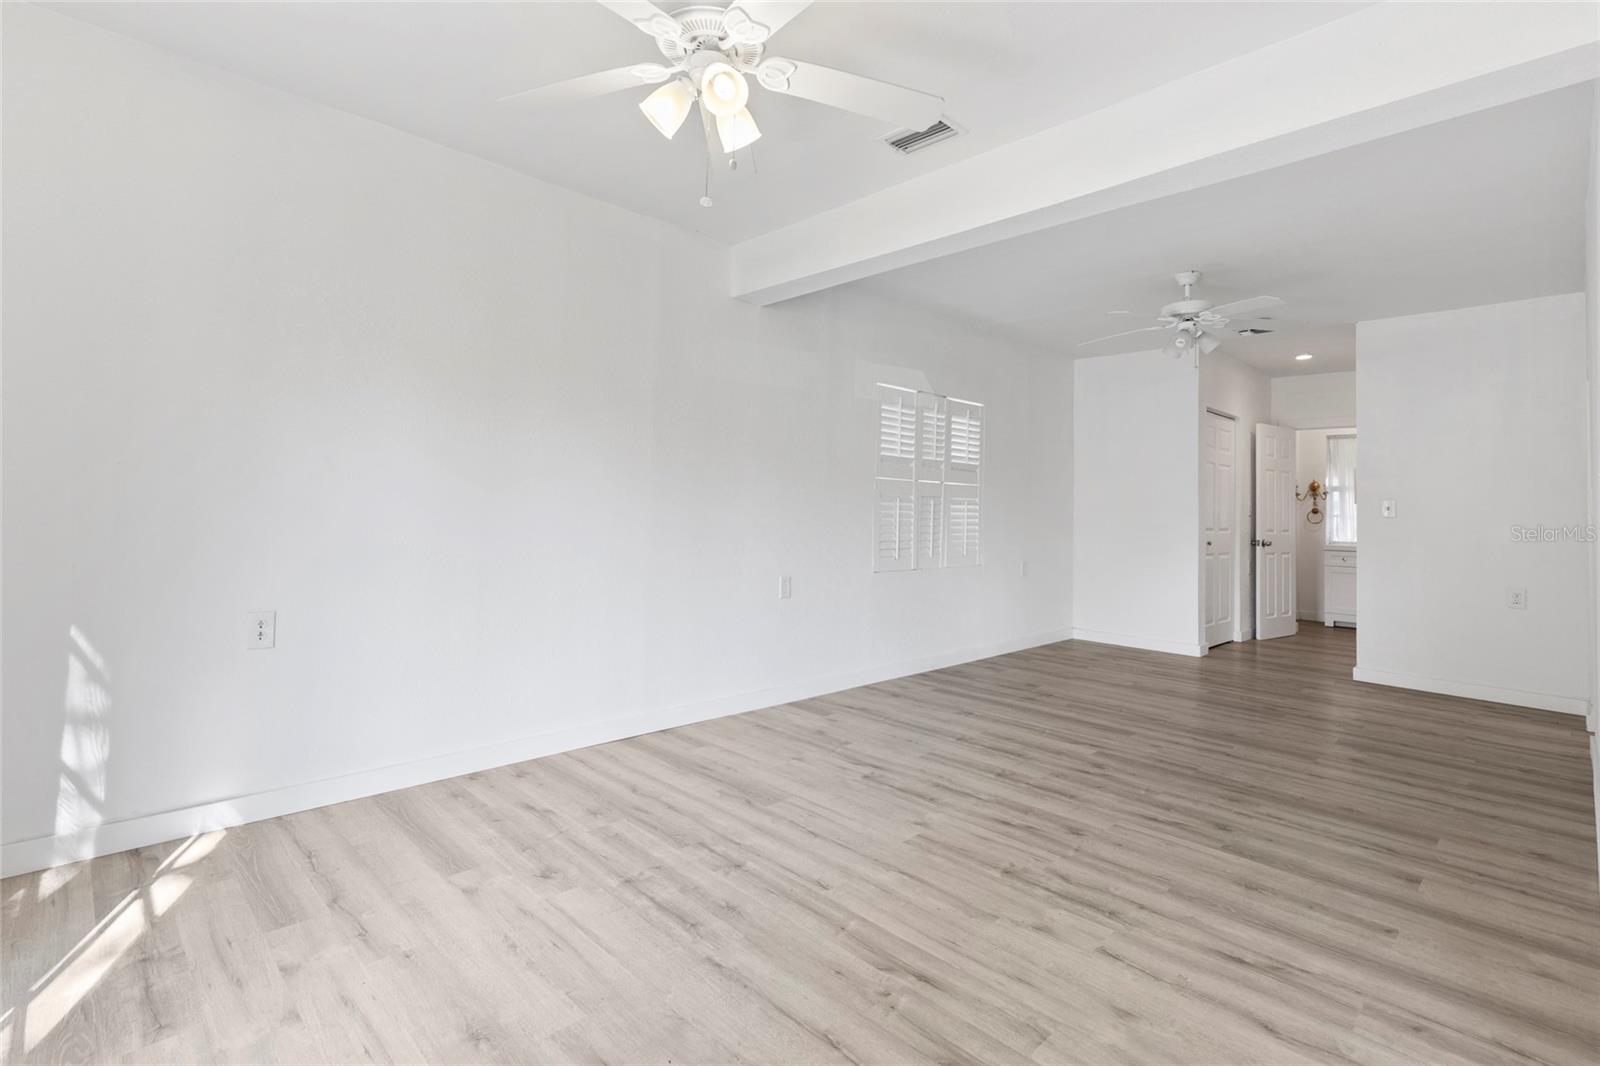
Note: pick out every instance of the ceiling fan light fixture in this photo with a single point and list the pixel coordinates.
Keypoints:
(668, 106)
(1208, 344)
(724, 90)
(737, 130)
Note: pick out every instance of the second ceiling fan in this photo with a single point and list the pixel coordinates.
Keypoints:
(1194, 324)
(711, 52)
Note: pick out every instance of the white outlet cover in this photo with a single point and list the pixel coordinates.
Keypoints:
(262, 631)
(1388, 508)
(1517, 599)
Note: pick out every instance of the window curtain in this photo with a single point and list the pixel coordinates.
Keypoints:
(1341, 490)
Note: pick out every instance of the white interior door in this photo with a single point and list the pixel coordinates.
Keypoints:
(1274, 540)
(1219, 475)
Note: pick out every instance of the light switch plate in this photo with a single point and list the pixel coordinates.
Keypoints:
(785, 587)
(1388, 508)
(263, 632)
(1517, 599)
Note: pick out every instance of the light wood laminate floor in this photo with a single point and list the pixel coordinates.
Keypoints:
(1072, 854)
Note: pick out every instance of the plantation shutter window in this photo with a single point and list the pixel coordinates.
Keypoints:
(930, 453)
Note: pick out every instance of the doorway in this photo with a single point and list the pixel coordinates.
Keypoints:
(1219, 532)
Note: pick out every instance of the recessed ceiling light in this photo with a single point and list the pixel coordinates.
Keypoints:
(1302, 357)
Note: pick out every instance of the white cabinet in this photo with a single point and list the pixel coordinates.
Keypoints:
(1339, 586)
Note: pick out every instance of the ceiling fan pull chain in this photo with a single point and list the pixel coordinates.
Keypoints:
(705, 197)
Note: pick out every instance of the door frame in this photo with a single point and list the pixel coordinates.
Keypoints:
(1243, 467)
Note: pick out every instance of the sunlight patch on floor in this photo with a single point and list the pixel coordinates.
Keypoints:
(54, 995)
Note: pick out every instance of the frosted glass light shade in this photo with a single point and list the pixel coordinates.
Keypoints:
(723, 89)
(737, 130)
(668, 106)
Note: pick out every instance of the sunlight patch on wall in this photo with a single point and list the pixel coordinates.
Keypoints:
(85, 738)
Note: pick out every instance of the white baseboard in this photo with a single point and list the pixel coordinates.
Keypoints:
(1516, 697)
(140, 831)
(1124, 640)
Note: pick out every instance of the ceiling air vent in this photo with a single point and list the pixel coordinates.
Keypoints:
(907, 141)
(1253, 332)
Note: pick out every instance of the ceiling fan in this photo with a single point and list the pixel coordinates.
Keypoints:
(711, 52)
(1195, 324)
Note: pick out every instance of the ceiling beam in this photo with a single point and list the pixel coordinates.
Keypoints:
(1378, 71)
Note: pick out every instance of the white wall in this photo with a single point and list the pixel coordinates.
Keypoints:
(1592, 269)
(513, 470)
(1315, 401)
(1230, 387)
(1474, 422)
(1311, 541)
(1136, 501)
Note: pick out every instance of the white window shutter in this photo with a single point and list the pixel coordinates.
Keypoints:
(894, 526)
(933, 436)
(963, 521)
(927, 507)
(897, 432)
(966, 441)
(963, 526)
(930, 525)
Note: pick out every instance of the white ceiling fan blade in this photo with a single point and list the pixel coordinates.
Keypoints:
(1245, 307)
(755, 21)
(851, 92)
(647, 17)
(1124, 333)
(600, 83)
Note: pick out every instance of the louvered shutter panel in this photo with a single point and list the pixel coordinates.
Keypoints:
(894, 526)
(933, 436)
(963, 511)
(932, 447)
(894, 510)
(966, 441)
(963, 526)
(897, 432)
(930, 525)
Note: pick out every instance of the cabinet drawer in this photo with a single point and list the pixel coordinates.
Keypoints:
(1339, 559)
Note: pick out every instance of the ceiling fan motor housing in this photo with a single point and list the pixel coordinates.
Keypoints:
(704, 35)
(1186, 308)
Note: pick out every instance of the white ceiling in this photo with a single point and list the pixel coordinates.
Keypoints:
(1481, 209)
(436, 69)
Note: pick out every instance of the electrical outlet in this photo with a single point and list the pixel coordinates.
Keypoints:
(1517, 599)
(263, 630)
(785, 587)
(1388, 508)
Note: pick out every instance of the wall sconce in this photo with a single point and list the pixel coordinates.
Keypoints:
(1316, 494)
